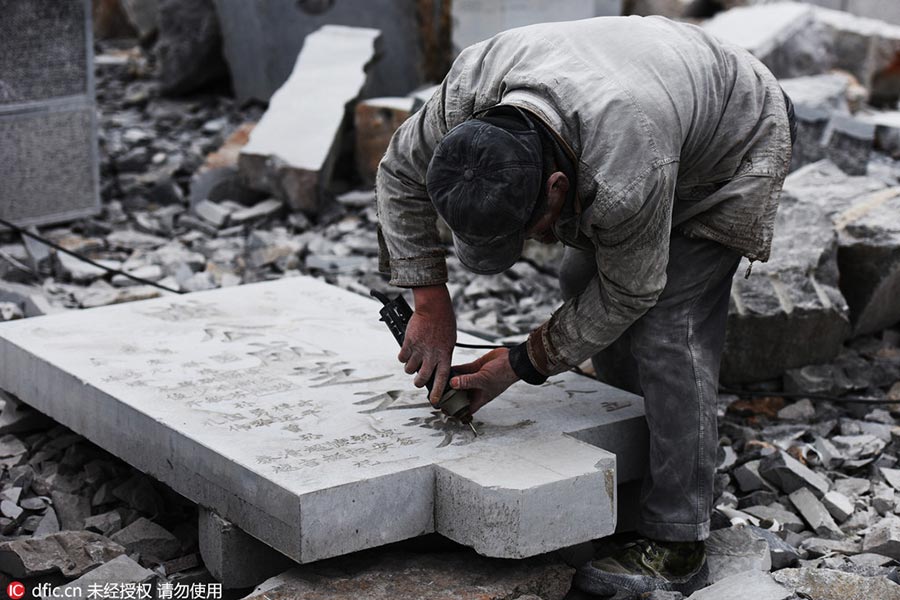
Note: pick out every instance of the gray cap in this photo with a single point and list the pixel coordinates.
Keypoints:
(484, 181)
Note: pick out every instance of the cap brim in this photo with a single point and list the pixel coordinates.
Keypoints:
(492, 256)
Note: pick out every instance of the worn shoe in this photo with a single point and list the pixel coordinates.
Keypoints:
(645, 565)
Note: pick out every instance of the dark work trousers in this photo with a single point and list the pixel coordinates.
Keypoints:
(671, 357)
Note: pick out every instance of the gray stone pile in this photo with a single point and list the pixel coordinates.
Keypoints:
(807, 490)
(71, 514)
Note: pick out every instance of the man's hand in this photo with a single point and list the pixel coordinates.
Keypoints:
(486, 378)
(430, 336)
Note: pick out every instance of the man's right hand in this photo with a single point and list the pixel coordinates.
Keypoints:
(430, 337)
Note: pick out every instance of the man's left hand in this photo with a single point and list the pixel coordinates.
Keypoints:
(486, 378)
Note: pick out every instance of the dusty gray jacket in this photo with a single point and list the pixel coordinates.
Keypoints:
(667, 127)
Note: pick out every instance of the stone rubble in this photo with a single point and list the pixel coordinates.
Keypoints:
(817, 480)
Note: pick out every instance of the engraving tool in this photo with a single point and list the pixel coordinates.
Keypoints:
(396, 314)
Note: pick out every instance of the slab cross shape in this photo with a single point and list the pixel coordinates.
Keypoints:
(282, 407)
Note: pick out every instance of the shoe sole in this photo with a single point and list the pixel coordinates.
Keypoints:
(600, 583)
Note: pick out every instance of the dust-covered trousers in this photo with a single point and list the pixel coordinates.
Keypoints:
(671, 357)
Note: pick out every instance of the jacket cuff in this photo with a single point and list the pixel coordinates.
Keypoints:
(537, 353)
(418, 272)
(523, 367)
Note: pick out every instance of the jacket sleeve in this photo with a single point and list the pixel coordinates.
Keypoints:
(410, 247)
(631, 243)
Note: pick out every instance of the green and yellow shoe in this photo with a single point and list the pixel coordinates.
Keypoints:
(645, 565)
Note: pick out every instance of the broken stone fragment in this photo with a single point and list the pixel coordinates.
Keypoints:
(398, 575)
(892, 476)
(761, 29)
(884, 538)
(138, 492)
(105, 523)
(781, 553)
(858, 446)
(848, 143)
(189, 46)
(72, 553)
(147, 272)
(143, 16)
(734, 550)
(748, 478)
(829, 584)
(815, 514)
(815, 546)
(80, 271)
(789, 475)
(10, 312)
(775, 513)
(101, 293)
(869, 260)
(749, 585)
(839, 505)
(122, 570)
(48, 524)
(148, 539)
(790, 299)
(267, 247)
(213, 213)
(37, 503)
(293, 148)
(72, 509)
(884, 499)
(10, 509)
(259, 211)
(129, 239)
(802, 410)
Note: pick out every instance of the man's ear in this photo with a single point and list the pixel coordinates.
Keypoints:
(557, 189)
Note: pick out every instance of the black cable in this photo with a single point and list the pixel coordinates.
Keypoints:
(484, 346)
(800, 395)
(59, 248)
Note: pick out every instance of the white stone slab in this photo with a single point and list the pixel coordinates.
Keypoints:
(292, 148)
(282, 407)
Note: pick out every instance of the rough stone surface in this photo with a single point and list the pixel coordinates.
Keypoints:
(749, 585)
(412, 576)
(829, 584)
(189, 48)
(235, 558)
(292, 150)
(839, 505)
(71, 553)
(761, 29)
(148, 539)
(790, 475)
(884, 538)
(120, 570)
(775, 513)
(302, 434)
(735, 550)
(143, 15)
(781, 553)
(72, 509)
(815, 514)
(869, 260)
(790, 312)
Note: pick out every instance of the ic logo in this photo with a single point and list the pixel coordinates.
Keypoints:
(15, 590)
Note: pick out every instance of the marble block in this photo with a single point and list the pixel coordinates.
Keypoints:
(282, 407)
